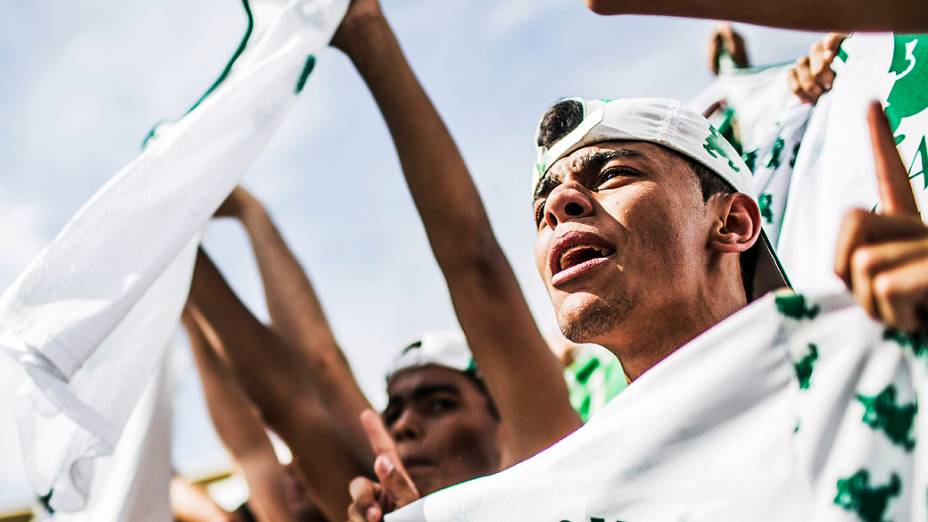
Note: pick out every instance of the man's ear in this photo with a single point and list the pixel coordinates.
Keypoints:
(737, 226)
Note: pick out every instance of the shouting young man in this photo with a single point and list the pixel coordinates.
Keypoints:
(788, 408)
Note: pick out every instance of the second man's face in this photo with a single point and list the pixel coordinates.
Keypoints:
(443, 427)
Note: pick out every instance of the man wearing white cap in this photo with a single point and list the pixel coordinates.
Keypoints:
(793, 408)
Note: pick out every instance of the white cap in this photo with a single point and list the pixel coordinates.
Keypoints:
(672, 124)
(440, 348)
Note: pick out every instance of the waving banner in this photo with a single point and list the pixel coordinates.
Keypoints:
(794, 408)
(91, 316)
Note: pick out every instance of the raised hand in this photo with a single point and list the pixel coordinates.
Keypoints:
(812, 75)
(883, 257)
(371, 500)
(726, 39)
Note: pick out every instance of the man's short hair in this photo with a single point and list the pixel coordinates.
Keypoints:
(566, 115)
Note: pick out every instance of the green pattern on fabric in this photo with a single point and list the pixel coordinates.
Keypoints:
(908, 96)
(792, 159)
(842, 54)
(915, 342)
(794, 306)
(586, 393)
(715, 147)
(855, 494)
(238, 52)
(805, 365)
(750, 158)
(764, 202)
(249, 28)
(920, 159)
(304, 74)
(882, 413)
(728, 129)
(773, 157)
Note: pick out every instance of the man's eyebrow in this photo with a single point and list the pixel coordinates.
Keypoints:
(431, 389)
(595, 161)
(590, 163)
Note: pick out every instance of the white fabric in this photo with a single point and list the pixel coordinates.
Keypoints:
(134, 482)
(834, 170)
(90, 317)
(769, 123)
(724, 429)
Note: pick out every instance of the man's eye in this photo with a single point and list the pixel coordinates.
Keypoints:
(442, 405)
(614, 172)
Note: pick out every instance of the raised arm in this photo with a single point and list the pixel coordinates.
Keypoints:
(522, 374)
(298, 319)
(811, 15)
(237, 424)
(276, 380)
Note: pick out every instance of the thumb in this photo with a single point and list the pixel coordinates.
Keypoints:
(395, 480)
(896, 196)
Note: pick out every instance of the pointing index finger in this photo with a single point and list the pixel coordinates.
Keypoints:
(892, 178)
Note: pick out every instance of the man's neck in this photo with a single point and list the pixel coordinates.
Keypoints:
(642, 343)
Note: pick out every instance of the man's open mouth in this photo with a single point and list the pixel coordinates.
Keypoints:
(574, 253)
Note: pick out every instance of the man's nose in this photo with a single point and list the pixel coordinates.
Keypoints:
(406, 427)
(565, 203)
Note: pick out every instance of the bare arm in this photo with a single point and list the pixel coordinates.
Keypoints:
(522, 374)
(811, 15)
(277, 381)
(298, 319)
(237, 424)
(189, 503)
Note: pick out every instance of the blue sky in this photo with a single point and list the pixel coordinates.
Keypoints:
(84, 81)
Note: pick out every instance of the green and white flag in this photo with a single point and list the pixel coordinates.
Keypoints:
(834, 170)
(91, 316)
(760, 116)
(796, 408)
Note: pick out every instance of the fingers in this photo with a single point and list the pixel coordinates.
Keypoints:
(861, 228)
(395, 480)
(870, 262)
(792, 78)
(892, 178)
(833, 41)
(900, 294)
(820, 66)
(364, 506)
(377, 434)
(806, 80)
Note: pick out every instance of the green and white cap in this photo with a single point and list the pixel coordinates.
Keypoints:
(671, 124)
(446, 348)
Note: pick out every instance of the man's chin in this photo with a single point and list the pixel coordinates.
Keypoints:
(585, 318)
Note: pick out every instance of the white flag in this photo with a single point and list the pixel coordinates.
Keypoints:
(90, 317)
(757, 112)
(834, 171)
(794, 409)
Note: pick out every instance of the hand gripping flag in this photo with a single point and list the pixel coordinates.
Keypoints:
(90, 317)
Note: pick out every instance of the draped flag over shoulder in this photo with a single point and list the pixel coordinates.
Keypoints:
(760, 116)
(834, 169)
(796, 408)
(91, 316)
